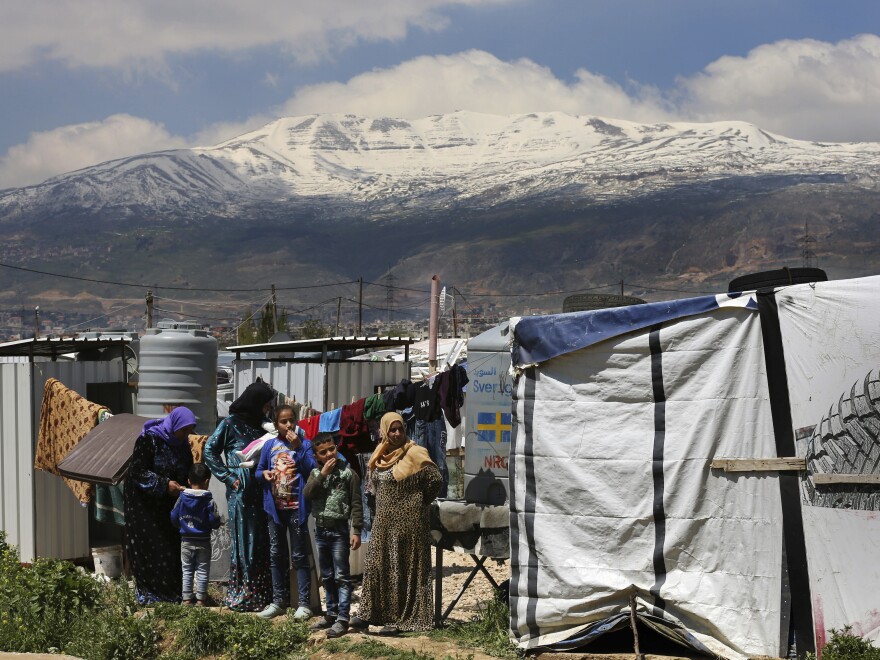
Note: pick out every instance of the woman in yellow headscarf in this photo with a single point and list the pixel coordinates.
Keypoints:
(397, 590)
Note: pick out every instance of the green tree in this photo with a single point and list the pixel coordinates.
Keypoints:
(247, 331)
(313, 329)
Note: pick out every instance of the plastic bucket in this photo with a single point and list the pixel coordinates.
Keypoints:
(108, 560)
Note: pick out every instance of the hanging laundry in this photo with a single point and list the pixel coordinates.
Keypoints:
(374, 407)
(395, 398)
(310, 426)
(426, 406)
(330, 421)
(432, 436)
(352, 422)
(65, 419)
(354, 433)
(450, 388)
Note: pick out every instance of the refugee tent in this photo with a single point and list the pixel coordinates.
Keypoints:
(619, 415)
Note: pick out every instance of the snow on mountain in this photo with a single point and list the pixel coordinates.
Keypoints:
(461, 159)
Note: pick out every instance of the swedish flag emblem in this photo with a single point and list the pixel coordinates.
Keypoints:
(494, 426)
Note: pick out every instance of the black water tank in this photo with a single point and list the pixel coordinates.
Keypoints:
(585, 302)
(781, 277)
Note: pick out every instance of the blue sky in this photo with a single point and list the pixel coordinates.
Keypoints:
(84, 81)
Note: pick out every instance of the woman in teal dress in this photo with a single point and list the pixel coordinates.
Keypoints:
(250, 577)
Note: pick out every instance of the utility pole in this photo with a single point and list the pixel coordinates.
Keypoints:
(434, 324)
(621, 287)
(808, 253)
(338, 309)
(150, 308)
(360, 306)
(389, 295)
(454, 318)
(274, 311)
(37, 322)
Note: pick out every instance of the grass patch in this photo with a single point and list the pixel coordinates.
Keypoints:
(488, 631)
(371, 648)
(52, 606)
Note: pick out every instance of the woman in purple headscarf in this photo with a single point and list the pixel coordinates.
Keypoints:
(157, 473)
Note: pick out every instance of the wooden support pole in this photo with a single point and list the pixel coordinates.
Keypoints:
(786, 464)
(635, 629)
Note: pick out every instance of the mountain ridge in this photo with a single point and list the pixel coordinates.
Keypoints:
(478, 191)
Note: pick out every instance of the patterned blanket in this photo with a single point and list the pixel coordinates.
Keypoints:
(65, 419)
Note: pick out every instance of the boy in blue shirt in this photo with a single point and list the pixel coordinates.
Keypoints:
(285, 463)
(334, 490)
(195, 515)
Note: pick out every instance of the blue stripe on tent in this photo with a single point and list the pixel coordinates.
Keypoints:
(541, 338)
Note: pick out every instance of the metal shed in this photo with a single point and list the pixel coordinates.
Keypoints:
(319, 371)
(38, 512)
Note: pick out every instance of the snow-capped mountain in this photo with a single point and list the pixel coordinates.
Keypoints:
(461, 160)
(543, 201)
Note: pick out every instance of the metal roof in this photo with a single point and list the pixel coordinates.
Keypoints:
(54, 346)
(103, 454)
(325, 343)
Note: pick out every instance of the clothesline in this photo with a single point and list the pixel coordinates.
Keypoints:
(440, 394)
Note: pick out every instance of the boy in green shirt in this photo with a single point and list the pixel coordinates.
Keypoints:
(334, 490)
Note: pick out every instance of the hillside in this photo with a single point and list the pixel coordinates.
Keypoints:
(492, 203)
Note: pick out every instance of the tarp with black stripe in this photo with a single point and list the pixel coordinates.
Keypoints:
(619, 414)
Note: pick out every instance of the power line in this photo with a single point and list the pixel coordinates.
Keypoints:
(658, 288)
(168, 287)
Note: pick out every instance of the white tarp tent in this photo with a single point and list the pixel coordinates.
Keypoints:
(619, 414)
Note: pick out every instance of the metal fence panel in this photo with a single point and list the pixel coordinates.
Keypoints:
(39, 513)
(16, 458)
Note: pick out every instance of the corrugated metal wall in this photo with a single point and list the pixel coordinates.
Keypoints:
(301, 380)
(356, 379)
(40, 514)
(16, 458)
(305, 380)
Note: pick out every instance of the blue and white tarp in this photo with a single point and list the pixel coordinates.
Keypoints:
(618, 415)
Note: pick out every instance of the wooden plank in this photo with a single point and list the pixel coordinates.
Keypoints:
(855, 479)
(759, 464)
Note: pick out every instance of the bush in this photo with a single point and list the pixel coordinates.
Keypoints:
(846, 646)
(54, 606)
(200, 632)
(40, 604)
(103, 635)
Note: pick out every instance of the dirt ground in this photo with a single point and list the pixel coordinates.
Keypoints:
(456, 568)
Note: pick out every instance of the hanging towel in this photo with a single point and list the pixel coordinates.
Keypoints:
(330, 421)
(109, 504)
(65, 419)
(310, 426)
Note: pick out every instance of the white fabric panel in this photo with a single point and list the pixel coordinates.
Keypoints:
(593, 429)
(831, 338)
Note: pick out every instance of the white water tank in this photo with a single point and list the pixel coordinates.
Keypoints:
(178, 367)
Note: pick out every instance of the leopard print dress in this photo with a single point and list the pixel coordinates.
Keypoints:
(397, 569)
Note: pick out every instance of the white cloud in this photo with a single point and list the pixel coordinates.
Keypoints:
(73, 147)
(477, 81)
(139, 35)
(803, 89)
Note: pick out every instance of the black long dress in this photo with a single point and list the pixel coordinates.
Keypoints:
(151, 540)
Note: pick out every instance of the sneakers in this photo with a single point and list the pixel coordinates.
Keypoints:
(338, 629)
(324, 623)
(389, 631)
(302, 613)
(272, 610)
